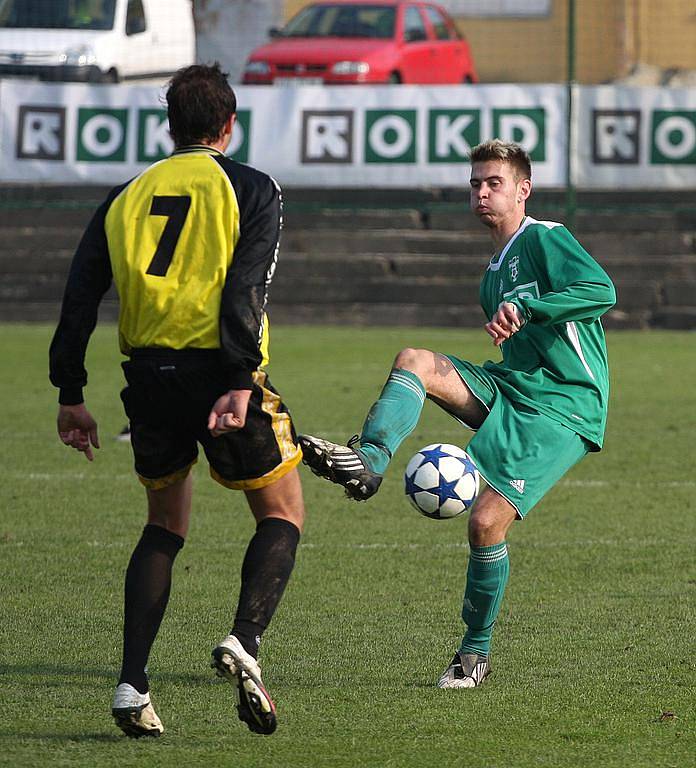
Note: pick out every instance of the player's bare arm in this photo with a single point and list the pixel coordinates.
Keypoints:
(229, 412)
(78, 429)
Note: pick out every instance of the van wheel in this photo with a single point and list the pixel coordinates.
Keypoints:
(111, 76)
(394, 79)
(467, 80)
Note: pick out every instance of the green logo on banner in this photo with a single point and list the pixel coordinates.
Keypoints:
(154, 141)
(526, 127)
(673, 137)
(452, 134)
(101, 135)
(241, 134)
(390, 136)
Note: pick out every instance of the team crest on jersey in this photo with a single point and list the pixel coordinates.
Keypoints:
(514, 267)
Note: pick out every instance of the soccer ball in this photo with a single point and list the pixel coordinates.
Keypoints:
(441, 481)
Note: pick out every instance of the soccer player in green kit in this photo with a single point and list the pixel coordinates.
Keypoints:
(535, 414)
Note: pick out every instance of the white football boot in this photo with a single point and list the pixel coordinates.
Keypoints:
(466, 670)
(255, 706)
(134, 713)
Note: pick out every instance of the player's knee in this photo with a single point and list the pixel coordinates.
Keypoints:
(282, 499)
(482, 528)
(488, 522)
(413, 360)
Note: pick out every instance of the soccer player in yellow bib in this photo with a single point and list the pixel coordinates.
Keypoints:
(191, 245)
(535, 413)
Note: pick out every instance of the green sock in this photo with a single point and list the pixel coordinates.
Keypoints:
(489, 568)
(391, 419)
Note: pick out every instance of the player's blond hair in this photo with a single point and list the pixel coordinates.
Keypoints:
(506, 152)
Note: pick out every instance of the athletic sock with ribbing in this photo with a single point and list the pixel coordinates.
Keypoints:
(391, 419)
(487, 575)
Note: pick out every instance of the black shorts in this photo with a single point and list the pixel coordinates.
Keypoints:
(168, 399)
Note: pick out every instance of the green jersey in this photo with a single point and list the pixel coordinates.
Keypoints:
(557, 362)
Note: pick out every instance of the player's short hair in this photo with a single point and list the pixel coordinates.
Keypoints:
(506, 152)
(199, 102)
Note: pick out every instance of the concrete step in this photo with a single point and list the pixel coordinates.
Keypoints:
(373, 314)
(390, 290)
(47, 311)
(680, 293)
(446, 218)
(674, 318)
(456, 218)
(38, 287)
(652, 267)
(378, 313)
(346, 266)
(632, 296)
(659, 243)
(384, 241)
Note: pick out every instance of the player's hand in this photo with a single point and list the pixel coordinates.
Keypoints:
(229, 412)
(504, 323)
(78, 429)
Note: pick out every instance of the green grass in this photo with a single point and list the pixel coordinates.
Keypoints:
(594, 643)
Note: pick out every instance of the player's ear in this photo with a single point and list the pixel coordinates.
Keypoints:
(524, 190)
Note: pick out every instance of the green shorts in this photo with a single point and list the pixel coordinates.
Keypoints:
(519, 452)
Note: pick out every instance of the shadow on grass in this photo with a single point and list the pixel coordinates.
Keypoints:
(64, 738)
(87, 673)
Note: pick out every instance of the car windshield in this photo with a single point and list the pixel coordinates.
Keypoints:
(57, 14)
(327, 20)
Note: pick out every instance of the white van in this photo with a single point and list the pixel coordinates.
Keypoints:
(95, 40)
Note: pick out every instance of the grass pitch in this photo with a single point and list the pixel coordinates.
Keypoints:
(593, 655)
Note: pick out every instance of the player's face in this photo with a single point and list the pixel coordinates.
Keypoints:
(495, 192)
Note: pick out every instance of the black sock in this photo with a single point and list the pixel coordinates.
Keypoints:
(148, 581)
(267, 566)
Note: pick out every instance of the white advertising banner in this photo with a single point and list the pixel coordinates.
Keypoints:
(315, 136)
(628, 138)
(404, 136)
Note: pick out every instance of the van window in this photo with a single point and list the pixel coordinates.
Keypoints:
(135, 17)
(57, 14)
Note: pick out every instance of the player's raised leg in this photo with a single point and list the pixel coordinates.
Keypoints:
(147, 588)
(417, 374)
(487, 576)
(278, 509)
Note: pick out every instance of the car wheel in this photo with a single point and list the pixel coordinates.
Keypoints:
(111, 76)
(394, 79)
(467, 80)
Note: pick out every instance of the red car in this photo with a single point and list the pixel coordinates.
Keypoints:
(372, 41)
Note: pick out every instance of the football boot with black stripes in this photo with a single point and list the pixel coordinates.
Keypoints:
(467, 670)
(341, 465)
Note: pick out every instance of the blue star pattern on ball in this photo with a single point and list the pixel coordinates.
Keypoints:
(411, 486)
(434, 455)
(469, 465)
(446, 490)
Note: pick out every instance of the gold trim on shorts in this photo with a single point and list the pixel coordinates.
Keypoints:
(255, 483)
(158, 483)
(281, 423)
